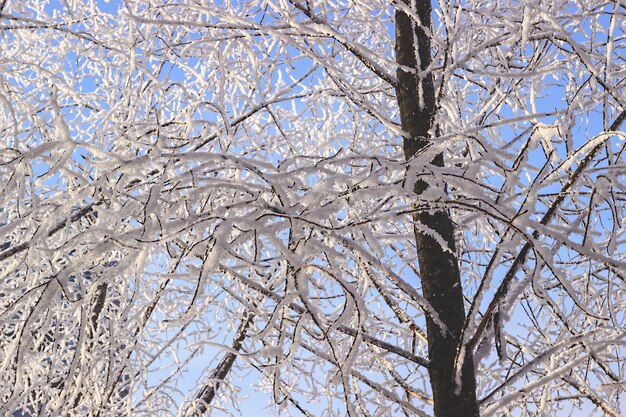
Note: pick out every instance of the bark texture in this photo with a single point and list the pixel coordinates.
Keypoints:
(439, 270)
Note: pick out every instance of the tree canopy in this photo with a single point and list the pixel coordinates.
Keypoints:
(196, 191)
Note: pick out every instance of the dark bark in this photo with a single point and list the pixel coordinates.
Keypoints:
(439, 270)
(219, 374)
(97, 306)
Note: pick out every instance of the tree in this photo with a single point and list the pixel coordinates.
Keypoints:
(371, 208)
(439, 271)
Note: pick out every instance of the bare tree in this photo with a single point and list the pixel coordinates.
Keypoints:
(368, 208)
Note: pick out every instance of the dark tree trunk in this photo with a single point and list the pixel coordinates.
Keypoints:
(439, 270)
(219, 374)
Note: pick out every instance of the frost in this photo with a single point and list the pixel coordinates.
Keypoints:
(203, 197)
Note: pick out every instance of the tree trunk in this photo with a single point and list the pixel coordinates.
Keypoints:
(219, 374)
(439, 270)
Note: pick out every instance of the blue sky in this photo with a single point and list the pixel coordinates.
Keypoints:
(551, 99)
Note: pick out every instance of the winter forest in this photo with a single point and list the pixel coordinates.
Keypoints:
(333, 207)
